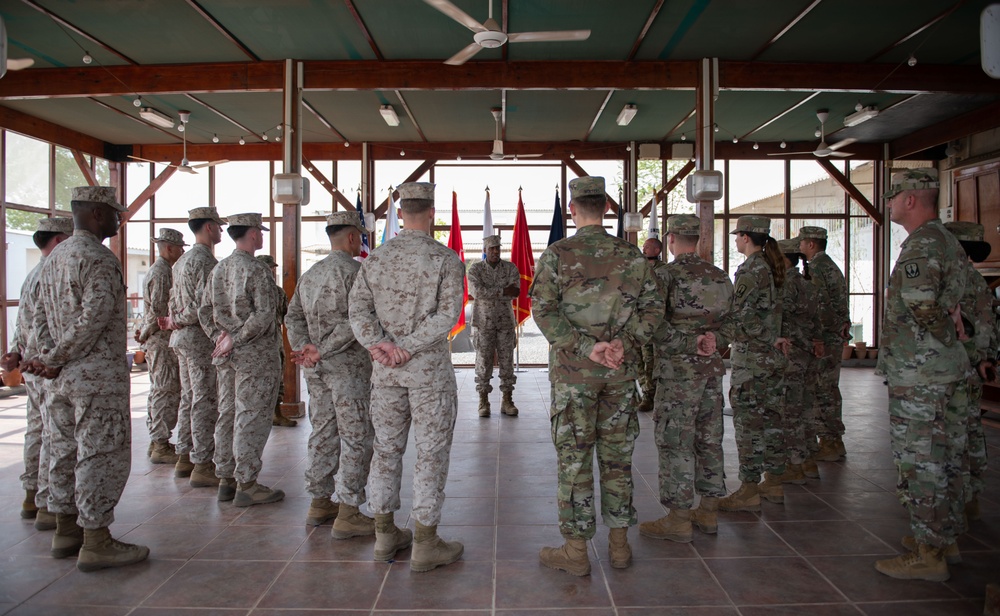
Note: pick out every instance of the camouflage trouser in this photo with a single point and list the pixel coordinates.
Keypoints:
(928, 425)
(164, 390)
(647, 368)
(587, 417)
(756, 397)
(974, 463)
(199, 408)
(501, 343)
(247, 391)
(342, 437)
(281, 378)
(432, 411)
(829, 403)
(35, 432)
(796, 414)
(90, 454)
(688, 418)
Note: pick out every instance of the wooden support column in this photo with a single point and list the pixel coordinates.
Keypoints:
(291, 218)
(704, 146)
(119, 242)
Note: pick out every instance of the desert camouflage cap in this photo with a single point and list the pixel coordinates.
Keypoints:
(587, 186)
(249, 219)
(912, 179)
(207, 213)
(416, 190)
(752, 224)
(267, 260)
(56, 224)
(491, 241)
(811, 233)
(789, 247)
(97, 194)
(684, 224)
(343, 219)
(170, 236)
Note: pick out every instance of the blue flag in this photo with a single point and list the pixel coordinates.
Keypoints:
(556, 232)
(364, 236)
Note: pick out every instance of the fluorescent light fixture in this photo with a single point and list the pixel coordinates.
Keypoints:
(155, 117)
(865, 114)
(627, 113)
(389, 115)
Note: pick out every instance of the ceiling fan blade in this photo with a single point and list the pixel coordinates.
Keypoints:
(186, 169)
(553, 35)
(842, 143)
(463, 56)
(211, 164)
(17, 64)
(789, 153)
(146, 160)
(841, 154)
(457, 14)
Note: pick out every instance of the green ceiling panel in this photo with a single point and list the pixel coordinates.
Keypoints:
(738, 112)
(87, 117)
(801, 124)
(658, 112)
(413, 30)
(32, 35)
(950, 41)
(356, 115)
(534, 115)
(455, 116)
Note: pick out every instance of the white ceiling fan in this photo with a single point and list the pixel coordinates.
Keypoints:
(489, 35)
(185, 166)
(497, 153)
(823, 150)
(10, 64)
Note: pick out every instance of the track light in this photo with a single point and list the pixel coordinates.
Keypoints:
(626, 114)
(389, 115)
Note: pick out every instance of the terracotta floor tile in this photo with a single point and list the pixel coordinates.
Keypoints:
(320, 545)
(924, 608)
(255, 543)
(323, 585)
(750, 539)
(194, 510)
(461, 585)
(60, 610)
(21, 576)
(174, 541)
(215, 583)
(469, 511)
(853, 575)
(521, 584)
(162, 611)
(664, 583)
(828, 538)
(678, 611)
(757, 581)
(801, 506)
(794, 610)
(120, 587)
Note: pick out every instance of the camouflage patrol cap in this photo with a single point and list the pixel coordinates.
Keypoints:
(684, 224)
(491, 241)
(789, 247)
(97, 194)
(970, 235)
(586, 186)
(249, 219)
(345, 219)
(752, 224)
(206, 213)
(811, 233)
(912, 179)
(170, 236)
(267, 260)
(56, 224)
(416, 190)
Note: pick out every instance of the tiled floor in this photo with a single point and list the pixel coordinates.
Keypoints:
(812, 556)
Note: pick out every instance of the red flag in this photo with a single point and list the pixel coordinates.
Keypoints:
(455, 243)
(522, 257)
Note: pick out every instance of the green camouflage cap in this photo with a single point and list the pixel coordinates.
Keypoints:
(586, 186)
(912, 179)
(752, 224)
(416, 190)
(97, 194)
(970, 235)
(267, 260)
(345, 219)
(789, 247)
(206, 213)
(56, 224)
(811, 233)
(684, 224)
(491, 241)
(170, 236)
(249, 219)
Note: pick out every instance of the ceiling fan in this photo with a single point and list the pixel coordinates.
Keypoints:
(10, 64)
(185, 166)
(488, 35)
(823, 150)
(497, 153)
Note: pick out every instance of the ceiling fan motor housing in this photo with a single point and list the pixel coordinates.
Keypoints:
(490, 39)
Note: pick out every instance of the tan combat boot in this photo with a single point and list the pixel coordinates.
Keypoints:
(675, 526)
(972, 509)
(571, 557)
(321, 510)
(952, 555)
(747, 498)
(705, 517)
(227, 489)
(794, 474)
(389, 538)
(507, 406)
(838, 446)
(619, 551)
(646, 404)
(927, 563)
(771, 488)
(203, 475)
(431, 551)
(253, 493)
(351, 523)
(28, 508)
(68, 538)
(280, 420)
(100, 551)
(484, 404)
(184, 466)
(45, 520)
(163, 453)
(828, 451)
(810, 468)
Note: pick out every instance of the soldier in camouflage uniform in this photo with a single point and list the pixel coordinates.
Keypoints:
(688, 409)
(238, 313)
(651, 249)
(756, 383)
(198, 410)
(596, 301)
(164, 373)
(835, 318)
(282, 303)
(338, 373)
(927, 370)
(404, 302)
(80, 331)
(493, 283)
(35, 479)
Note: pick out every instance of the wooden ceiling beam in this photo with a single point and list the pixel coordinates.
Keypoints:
(90, 37)
(364, 29)
(836, 77)
(784, 30)
(44, 130)
(851, 189)
(982, 119)
(645, 29)
(925, 26)
(409, 114)
(85, 168)
(322, 120)
(229, 36)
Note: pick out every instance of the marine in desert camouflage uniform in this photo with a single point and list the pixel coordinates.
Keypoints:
(282, 309)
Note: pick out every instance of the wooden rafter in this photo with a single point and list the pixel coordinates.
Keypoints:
(229, 36)
(597, 116)
(246, 130)
(982, 119)
(364, 29)
(14, 120)
(90, 37)
(419, 171)
(580, 172)
(149, 191)
(645, 29)
(782, 114)
(851, 190)
(327, 184)
(784, 30)
(836, 77)
(85, 168)
(680, 124)
(671, 184)
(909, 36)
(409, 114)
(322, 120)
(135, 119)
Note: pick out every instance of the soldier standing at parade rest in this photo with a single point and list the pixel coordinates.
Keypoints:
(338, 374)
(927, 370)
(652, 249)
(282, 309)
(688, 408)
(596, 301)
(35, 479)
(493, 283)
(404, 302)
(81, 335)
(164, 374)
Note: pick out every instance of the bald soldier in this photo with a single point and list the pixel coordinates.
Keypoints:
(404, 302)
(81, 341)
(652, 249)
(493, 283)
(282, 306)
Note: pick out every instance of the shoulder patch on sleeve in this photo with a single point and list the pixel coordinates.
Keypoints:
(741, 289)
(912, 270)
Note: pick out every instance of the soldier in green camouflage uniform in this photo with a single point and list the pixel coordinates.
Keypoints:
(927, 370)
(981, 347)
(282, 305)
(688, 408)
(652, 250)
(596, 301)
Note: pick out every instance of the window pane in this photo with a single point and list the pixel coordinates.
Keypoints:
(720, 243)
(862, 319)
(182, 192)
(315, 246)
(68, 175)
(862, 270)
(140, 250)
(320, 199)
(862, 176)
(22, 254)
(756, 187)
(814, 191)
(103, 171)
(240, 186)
(27, 166)
(835, 244)
(137, 179)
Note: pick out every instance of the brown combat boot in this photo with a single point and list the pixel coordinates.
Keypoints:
(45, 520)
(184, 466)
(619, 551)
(484, 404)
(571, 557)
(68, 538)
(771, 488)
(705, 517)
(100, 551)
(351, 523)
(227, 489)
(828, 451)
(952, 555)
(389, 538)
(253, 493)
(747, 498)
(838, 446)
(507, 406)
(646, 405)
(321, 510)
(28, 508)
(203, 475)
(794, 474)
(280, 420)
(972, 509)
(431, 551)
(927, 563)
(810, 468)
(675, 526)
(163, 453)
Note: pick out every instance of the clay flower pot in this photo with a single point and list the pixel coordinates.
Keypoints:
(847, 352)
(140, 357)
(12, 378)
